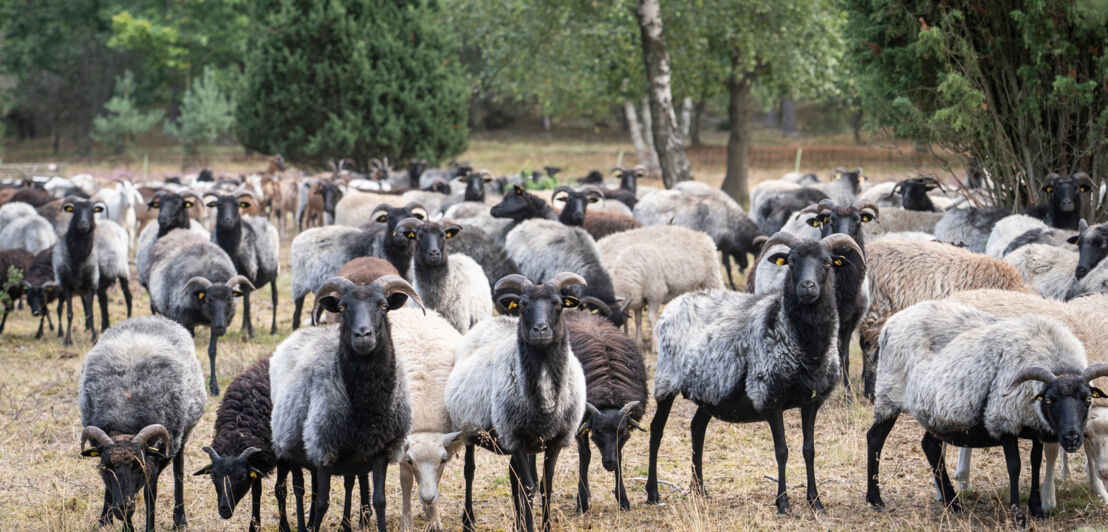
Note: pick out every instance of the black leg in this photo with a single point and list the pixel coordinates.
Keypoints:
(844, 359)
(86, 303)
(549, 460)
(363, 494)
(697, 428)
(933, 449)
(41, 322)
(106, 514)
(46, 314)
(297, 306)
(527, 483)
(513, 480)
(149, 497)
(63, 301)
(620, 490)
(348, 492)
(808, 427)
(247, 323)
(281, 492)
(726, 260)
(102, 298)
(68, 320)
(4, 320)
(584, 457)
(179, 520)
(781, 452)
(256, 505)
(298, 494)
(321, 492)
(657, 425)
(273, 296)
(125, 286)
(875, 441)
(870, 358)
(213, 385)
(468, 469)
(379, 469)
(1012, 460)
(1035, 501)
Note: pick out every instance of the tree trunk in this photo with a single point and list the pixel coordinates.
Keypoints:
(684, 122)
(667, 141)
(643, 153)
(856, 125)
(788, 116)
(647, 121)
(738, 141)
(694, 129)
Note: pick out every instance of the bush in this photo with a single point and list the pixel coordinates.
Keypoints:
(122, 120)
(206, 114)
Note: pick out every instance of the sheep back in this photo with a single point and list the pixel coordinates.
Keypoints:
(179, 256)
(33, 233)
(1006, 230)
(614, 370)
(543, 248)
(256, 256)
(318, 253)
(600, 224)
(427, 344)
(899, 220)
(243, 417)
(113, 247)
(145, 247)
(969, 227)
(354, 208)
(461, 293)
(659, 263)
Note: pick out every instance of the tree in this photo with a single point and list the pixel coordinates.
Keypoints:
(668, 141)
(1017, 85)
(352, 78)
(122, 120)
(206, 114)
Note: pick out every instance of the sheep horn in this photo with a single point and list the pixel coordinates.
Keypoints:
(50, 284)
(627, 407)
(248, 452)
(242, 193)
(841, 240)
(1033, 373)
(151, 431)
(240, 280)
(412, 206)
(95, 434)
(195, 281)
(593, 189)
(1082, 177)
(868, 204)
(212, 453)
(562, 188)
(514, 282)
(813, 208)
(1094, 371)
(593, 411)
(601, 306)
(1082, 225)
(787, 239)
(564, 279)
(334, 284)
(408, 224)
(391, 284)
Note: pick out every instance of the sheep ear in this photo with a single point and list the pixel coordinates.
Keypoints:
(508, 304)
(329, 303)
(570, 302)
(453, 441)
(206, 470)
(1073, 239)
(778, 259)
(397, 300)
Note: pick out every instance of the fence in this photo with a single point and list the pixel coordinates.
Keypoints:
(815, 156)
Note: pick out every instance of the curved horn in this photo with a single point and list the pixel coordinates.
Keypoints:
(514, 282)
(335, 284)
(593, 189)
(391, 284)
(240, 280)
(1033, 373)
(50, 284)
(562, 188)
(813, 208)
(601, 306)
(841, 240)
(244, 192)
(564, 279)
(627, 408)
(413, 206)
(594, 411)
(248, 452)
(149, 432)
(787, 239)
(867, 204)
(1094, 371)
(95, 434)
(211, 453)
(1082, 177)
(187, 193)
(195, 281)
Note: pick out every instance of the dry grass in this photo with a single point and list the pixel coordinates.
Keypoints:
(44, 484)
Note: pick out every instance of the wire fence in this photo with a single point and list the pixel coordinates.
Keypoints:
(815, 156)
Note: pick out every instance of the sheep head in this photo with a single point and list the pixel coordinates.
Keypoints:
(216, 301)
(1064, 193)
(127, 463)
(391, 216)
(426, 454)
(430, 239)
(914, 192)
(846, 219)
(518, 205)
(83, 213)
(173, 209)
(232, 476)
(539, 306)
(1064, 400)
(610, 428)
(808, 261)
(576, 202)
(475, 185)
(229, 208)
(363, 309)
(1092, 247)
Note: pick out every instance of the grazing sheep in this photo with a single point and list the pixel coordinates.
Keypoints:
(517, 389)
(969, 227)
(651, 266)
(730, 228)
(41, 288)
(1063, 202)
(933, 369)
(20, 261)
(451, 284)
(252, 243)
(318, 253)
(743, 358)
(30, 232)
(426, 344)
(898, 220)
(615, 383)
(902, 273)
(361, 429)
(193, 282)
(140, 394)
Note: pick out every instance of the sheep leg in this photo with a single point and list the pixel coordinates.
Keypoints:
(1064, 469)
(549, 461)
(726, 260)
(179, 520)
(63, 300)
(273, 296)
(363, 493)
(621, 491)
(4, 320)
(1035, 500)
(297, 306)
(41, 324)
(584, 458)
(1049, 500)
(213, 385)
(808, 428)
(280, 492)
(106, 514)
(255, 505)
(149, 497)
(933, 450)
(68, 320)
(875, 441)
(379, 468)
(86, 303)
(869, 371)
(125, 286)
(697, 428)
(298, 494)
(46, 314)
(468, 469)
(348, 489)
(962, 472)
(1012, 460)
(1094, 464)
(247, 324)
(652, 320)
(638, 326)
(513, 480)
(102, 298)
(844, 362)
(657, 426)
(776, 422)
(321, 493)
(406, 522)
(525, 515)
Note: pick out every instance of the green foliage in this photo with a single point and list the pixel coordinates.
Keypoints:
(15, 278)
(206, 114)
(352, 78)
(1020, 86)
(544, 183)
(122, 119)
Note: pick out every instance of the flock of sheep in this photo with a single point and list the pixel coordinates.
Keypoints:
(452, 311)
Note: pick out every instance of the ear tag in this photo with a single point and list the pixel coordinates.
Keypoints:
(188, 204)
(512, 305)
(94, 454)
(780, 262)
(200, 295)
(410, 235)
(253, 474)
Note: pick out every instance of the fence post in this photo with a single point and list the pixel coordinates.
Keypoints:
(145, 165)
(799, 151)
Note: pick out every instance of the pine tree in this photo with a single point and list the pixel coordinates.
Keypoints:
(352, 78)
(206, 114)
(122, 120)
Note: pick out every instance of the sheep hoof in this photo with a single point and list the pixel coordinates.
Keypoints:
(783, 507)
(875, 501)
(1019, 519)
(816, 505)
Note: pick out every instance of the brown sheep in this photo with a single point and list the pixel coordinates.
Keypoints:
(362, 271)
(600, 224)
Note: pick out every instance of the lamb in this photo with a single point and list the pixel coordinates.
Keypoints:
(357, 431)
(252, 243)
(426, 344)
(615, 380)
(730, 228)
(934, 370)
(1063, 200)
(318, 253)
(90, 258)
(242, 449)
(29, 231)
(935, 270)
(543, 248)
(20, 261)
(193, 282)
(898, 220)
(140, 394)
(969, 227)
(742, 358)
(41, 288)
(651, 266)
(517, 389)
(1062, 274)
(575, 212)
(451, 284)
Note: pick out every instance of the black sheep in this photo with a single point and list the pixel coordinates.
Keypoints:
(41, 287)
(1063, 200)
(486, 251)
(914, 191)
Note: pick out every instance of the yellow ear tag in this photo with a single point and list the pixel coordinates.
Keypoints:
(569, 302)
(410, 235)
(200, 295)
(68, 208)
(253, 474)
(595, 311)
(155, 205)
(512, 305)
(188, 204)
(1038, 398)
(780, 261)
(1049, 190)
(814, 222)
(837, 262)
(867, 218)
(94, 454)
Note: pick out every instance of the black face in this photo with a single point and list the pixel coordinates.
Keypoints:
(217, 305)
(809, 264)
(517, 205)
(430, 239)
(125, 467)
(609, 431)
(1092, 247)
(38, 297)
(628, 179)
(914, 195)
(540, 313)
(1064, 193)
(475, 186)
(84, 214)
(363, 310)
(232, 477)
(1065, 405)
(331, 196)
(385, 214)
(576, 205)
(854, 177)
(227, 210)
(172, 211)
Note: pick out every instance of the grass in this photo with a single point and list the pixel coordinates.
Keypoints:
(45, 485)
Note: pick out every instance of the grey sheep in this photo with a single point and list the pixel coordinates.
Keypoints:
(140, 393)
(969, 227)
(899, 220)
(251, 242)
(26, 230)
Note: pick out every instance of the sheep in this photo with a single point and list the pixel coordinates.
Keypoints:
(615, 381)
(743, 358)
(90, 258)
(193, 282)
(426, 344)
(628, 191)
(479, 216)
(41, 288)
(35, 196)
(775, 210)
(316, 202)
(730, 228)
(933, 368)
(765, 276)
(575, 212)
(1008, 229)
(1089, 328)
(517, 389)
(698, 188)
(120, 200)
(318, 253)
(542, 248)
(361, 429)
(452, 284)
(485, 250)
(519, 205)
(140, 394)
(252, 243)
(969, 227)
(173, 213)
(774, 187)
(1050, 236)
(361, 271)
(883, 194)
(242, 449)
(899, 220)
(1062, 274)
(902, 273)
(914, 193)
(29, 231)
(903, 235)
(651, 266)
(356, 208)
(20, 261)
(1062, 209)
(11, 212)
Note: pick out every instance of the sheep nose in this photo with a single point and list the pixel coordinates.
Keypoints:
(540, 328)
(578, 217)
(1071, 440)
(225, 511)
(434, 254)
(806, 286)
(1081, 272)
(1067, 206)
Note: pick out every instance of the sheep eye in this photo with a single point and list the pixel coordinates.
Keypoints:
(593, 200)
(253, 474)
(867, 218)
(383, 218)
(68, 208)
(155, 205)
(97, 209)
(384, 306)
(211, 204)
(188, 204)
